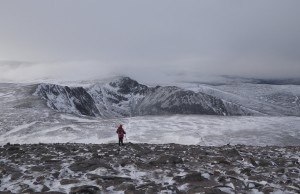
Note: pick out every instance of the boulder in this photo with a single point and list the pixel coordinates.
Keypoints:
(85, 189)
(68, 181)
(213, 191)
(233, 154)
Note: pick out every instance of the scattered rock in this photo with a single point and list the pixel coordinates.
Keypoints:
(143, 168)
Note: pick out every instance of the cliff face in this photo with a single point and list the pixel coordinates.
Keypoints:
(124, 97)
(65, 99)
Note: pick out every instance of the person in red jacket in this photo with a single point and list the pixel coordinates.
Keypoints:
(120, 132)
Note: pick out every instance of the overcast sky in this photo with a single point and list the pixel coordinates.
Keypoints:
(149, 39)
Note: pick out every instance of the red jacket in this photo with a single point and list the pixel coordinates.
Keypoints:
(120, 132)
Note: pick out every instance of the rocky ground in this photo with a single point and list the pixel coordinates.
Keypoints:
(148, 168)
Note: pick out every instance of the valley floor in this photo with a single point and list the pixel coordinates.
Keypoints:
(148, 168)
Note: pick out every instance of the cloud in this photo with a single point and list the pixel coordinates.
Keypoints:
(150, 40)
(74, 70)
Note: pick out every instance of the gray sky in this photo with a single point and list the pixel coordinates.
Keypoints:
(149, 39)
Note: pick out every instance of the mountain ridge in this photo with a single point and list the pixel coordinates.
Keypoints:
(123, 97)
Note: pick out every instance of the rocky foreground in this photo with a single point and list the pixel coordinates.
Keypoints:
(146, 168)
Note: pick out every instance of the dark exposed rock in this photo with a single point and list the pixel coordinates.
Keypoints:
(267, 190)
(264, 163)
(259, 178)
(134, 192)
(280, 170)
(68, 181)
(45, 188)
(38, 168)
(232, 154)
(223, 161)
(230, 172)
(52, 161)
(49, 192)
(108, 178)
(253, 162)
(126, 186)
(16, 175)
(214, 191)
(280, 161)
(13, 148)
(88, 165)
(28, 190)
(86, 189)
(55, 174)
(40, 179)
(166, 159)
(193, 177)
(246, 171)
(2, 171)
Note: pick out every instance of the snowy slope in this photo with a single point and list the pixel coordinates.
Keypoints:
(264, 98)
(180, 129)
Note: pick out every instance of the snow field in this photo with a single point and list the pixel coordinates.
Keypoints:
(180, 129)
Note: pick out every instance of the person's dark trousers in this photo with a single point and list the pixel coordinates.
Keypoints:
(121, 141)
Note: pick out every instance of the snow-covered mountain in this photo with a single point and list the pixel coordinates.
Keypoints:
(280, 99)
(123, 97)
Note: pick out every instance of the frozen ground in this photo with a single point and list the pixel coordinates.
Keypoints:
(180, 129)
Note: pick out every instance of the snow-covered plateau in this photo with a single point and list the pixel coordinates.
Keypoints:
(185, 138)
